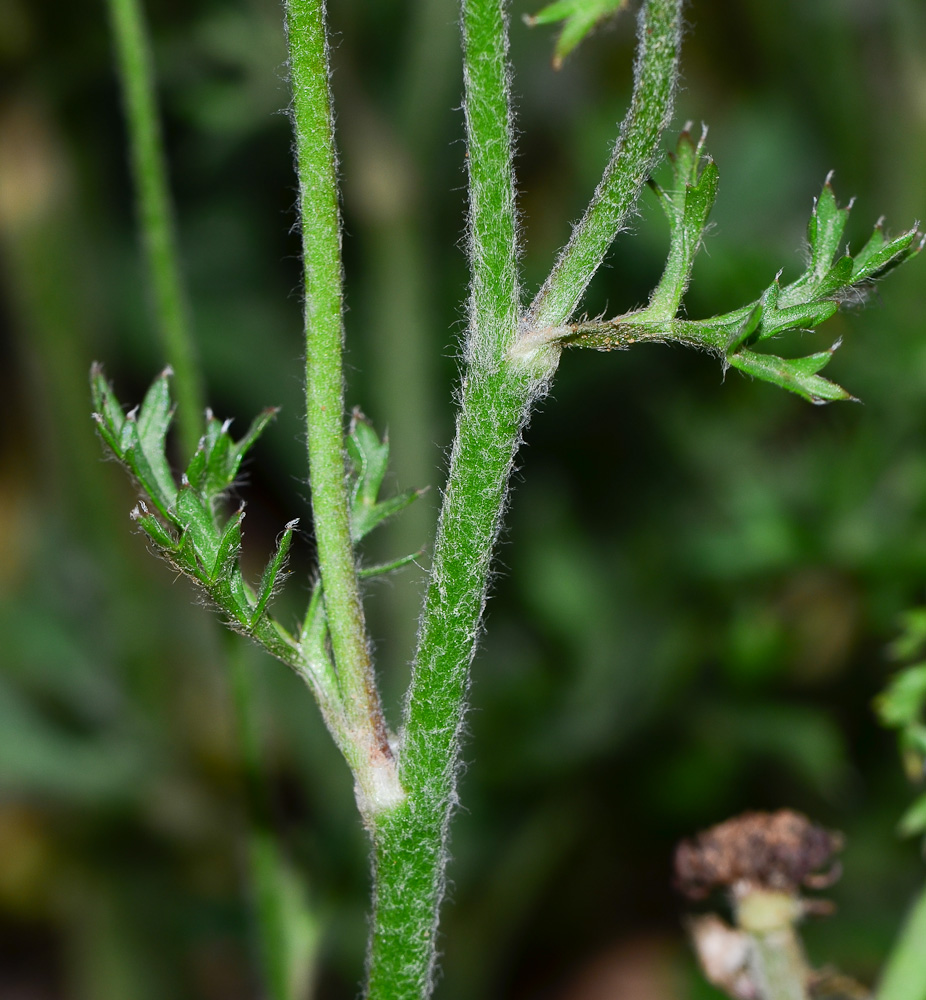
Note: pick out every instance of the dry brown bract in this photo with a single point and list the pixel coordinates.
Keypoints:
(779, 851)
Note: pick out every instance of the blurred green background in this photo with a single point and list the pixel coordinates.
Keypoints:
(699, 575)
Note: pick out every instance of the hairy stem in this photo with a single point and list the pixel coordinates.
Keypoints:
(635, 154)
(904, 976)
(321, 247)
(410, 842)
(155, 212)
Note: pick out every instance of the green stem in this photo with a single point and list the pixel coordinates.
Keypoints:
(904, 976)
(635, 153)
(410, 842)
(321, 247)
(155, 212)
(270, 922)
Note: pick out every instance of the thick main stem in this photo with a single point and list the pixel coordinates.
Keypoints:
(321, 247)
(410, 843)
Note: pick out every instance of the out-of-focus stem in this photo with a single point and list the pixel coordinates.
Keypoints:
(155, 212)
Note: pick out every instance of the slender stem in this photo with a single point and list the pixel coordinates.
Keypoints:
(635, 153)
(904, 976)
(156, 220)
(321, 246)
(155, 212)
(270, 923)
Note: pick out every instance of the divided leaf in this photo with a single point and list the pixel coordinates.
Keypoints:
(273, 573)
(579, 17)
(832, 278)
(795, 374)
(369, 458)
(687, 207)
(187, 525)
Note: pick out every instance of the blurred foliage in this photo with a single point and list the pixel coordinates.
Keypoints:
(699, 576)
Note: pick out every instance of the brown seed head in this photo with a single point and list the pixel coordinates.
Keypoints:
(779, 851)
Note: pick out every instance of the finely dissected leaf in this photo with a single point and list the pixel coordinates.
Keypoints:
(240, 448)
(687, 207)
(825, 229)
(314, 631)
(107, 411)
(217, 461)
(273, 571)
(380, 569)
(215, 479)
(879, 255)
(153, 527)
(229, 548)
(795, 374)
(369, 459)
(839, 276)
(153, 421)
(198, 526)
(802, 317)
(136, 458)
(828, 281)
(580, 17)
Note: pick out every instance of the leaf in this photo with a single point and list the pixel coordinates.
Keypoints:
(314, 629)
(229, 548)
(202, 548)
(687, 207)
(153, 527)
(369, 458)
(913, 821)
(878, 255)
(904, 699)
(198, 527)
(107, 411)
(239, 449)
(825, 229)
(153, 422)
(380, 569)
(271, 575)
(135, 457)
(839, 276)
(580, 18)
(797, 375)
(801, 317)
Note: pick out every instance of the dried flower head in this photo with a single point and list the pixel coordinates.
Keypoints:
(779, 851)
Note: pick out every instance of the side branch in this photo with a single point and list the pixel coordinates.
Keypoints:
(635, 154)
(321, 246)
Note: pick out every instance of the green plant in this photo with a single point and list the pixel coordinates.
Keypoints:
(406, 782)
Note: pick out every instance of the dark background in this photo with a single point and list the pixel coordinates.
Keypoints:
(699, 576)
